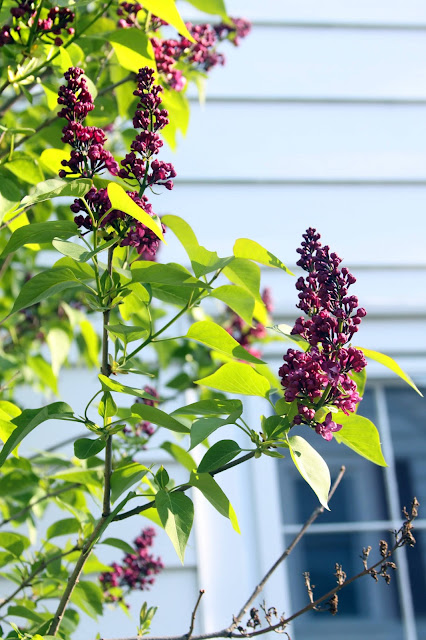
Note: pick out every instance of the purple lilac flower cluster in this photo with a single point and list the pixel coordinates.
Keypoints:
(57, 20)
(320, 377)
(88, 158)
(137, 570)
(244, 334)
(201, 55)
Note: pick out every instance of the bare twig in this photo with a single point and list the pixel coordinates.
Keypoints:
(314, 515)
(194, 613)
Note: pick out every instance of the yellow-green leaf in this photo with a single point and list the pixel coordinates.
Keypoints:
(120, 200)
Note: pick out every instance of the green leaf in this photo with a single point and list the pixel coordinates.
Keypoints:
(24, 167)
(285, 330)
(180, 455)
(85, 477)
(176, 513)
(10, 195)
(215, 7)
(311, 466)
(390, 363)
(215, 337)
(214, 406)
(28, 420)
(127, 334)
(63, 528)
(124, 477)
(25, 612)
(237, 377)
(54, 188)
(88, 596)
(114, 385)
(91, 340)
(361, 435)
(59, 344)
(156, 416)
(86, 447)
(123, 202)
(44, 372)
(39, 232)
(203, 427)
(166, 10)
(218, 455)
(51, 159)
(118, 544)
(107, 407)
(238, 299)
(245, 248)
(43, 286)
(6, 558)
(203, 261)
(162, 478)
(154, 272)
(214, 494)
(360, 380)
(16, 543)
(71, 249)
(246, 274)
(132, 48)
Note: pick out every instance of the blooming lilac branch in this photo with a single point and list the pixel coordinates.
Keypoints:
(319, 379)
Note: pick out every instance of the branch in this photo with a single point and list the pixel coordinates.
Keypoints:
(35, 573)
(73, 579)
(194, 613)
(184, 487)
(50, 494)
(314, 515)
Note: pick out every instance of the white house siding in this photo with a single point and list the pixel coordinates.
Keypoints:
(318, 119)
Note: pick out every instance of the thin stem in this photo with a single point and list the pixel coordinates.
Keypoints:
(87, 408)
(314, 515)
(186, 308)
(73, 579)
(194, 613)
(184, 487)
(50, 494)
(107, 476)
(105, 365)
(30, 578)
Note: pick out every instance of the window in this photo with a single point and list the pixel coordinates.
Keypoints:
(365, 509)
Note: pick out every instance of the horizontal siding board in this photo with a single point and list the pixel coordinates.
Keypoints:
(378, 225)
(305, 141)
(325, 63)
(355, 11)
